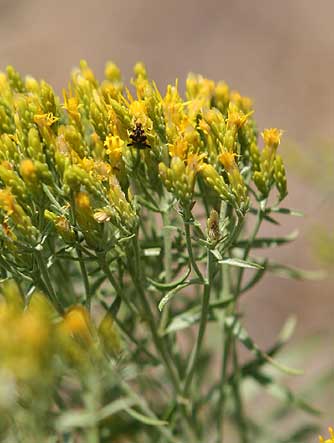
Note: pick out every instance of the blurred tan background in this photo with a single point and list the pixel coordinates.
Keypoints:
(280, 53)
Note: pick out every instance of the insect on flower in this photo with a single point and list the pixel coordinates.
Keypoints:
(138, 137)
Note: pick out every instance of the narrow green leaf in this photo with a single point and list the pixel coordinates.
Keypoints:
(287, 211)
(170, 228)
(183, 321)
(171, 285)
(170, 295)
(150, 421)
(240, 263)
(302, 434)
(192, 316)
(241, 334)
(76, 419)
(270, 242)
(152, 252)
(288, 329)
(293, 272)
(123, 404)
(84, 419)
(255, 278)
(285, 394)
(216, 254)
(271, 220)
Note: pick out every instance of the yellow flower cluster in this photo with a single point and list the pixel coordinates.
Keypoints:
(110, 143)
(32, 338)
(330, 440)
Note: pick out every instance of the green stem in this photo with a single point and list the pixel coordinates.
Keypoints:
(147, 313)
(251, 239)
(226, 339)
(193, 263)
(146, 410)
(236, 385)
(159, 342)
(104, 266)
(239, 410)
(47, 282)
(191, 368)
(133, 339)
(222, 384)
(167, 266)
(84, 277)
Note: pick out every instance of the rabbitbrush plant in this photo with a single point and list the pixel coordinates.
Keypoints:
(129, 223)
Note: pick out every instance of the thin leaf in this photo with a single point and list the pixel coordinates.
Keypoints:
(288, 329)
(241, 334)
(192, 316)
(122, 404)
(183, 321)
(293, 272)
(265, 216)
(171, 285)
(285, 394)
(287, 211)
(240, 263)
(170, 295)
(255, 278)
(216, 254)
(152, 252)
(84, 419)
(170, 228)
(76, 419)
(301, 434)
(150, 421)
(270, 242)
(253, 366)
(271, 220)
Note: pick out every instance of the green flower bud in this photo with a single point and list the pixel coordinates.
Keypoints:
(13, 181)
(35, 147)
(75, 177)
(280, 177)
(62, 226)
(216, 182)
(15, 79)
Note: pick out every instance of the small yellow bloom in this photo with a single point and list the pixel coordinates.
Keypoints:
(330, 440)
(77, 323)
(195, 162)
(45, 119)
(272, 137)
(243, 102)
(82, 201)
(236, 117)
(203, 126)
(28, 170)
(71, 104)
(179, 148)
(227, 159)
(7, 201)
(114, 147)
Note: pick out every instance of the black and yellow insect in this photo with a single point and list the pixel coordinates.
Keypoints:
(138, 137)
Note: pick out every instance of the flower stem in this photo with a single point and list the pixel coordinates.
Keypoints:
(192, 260)
(191, 368)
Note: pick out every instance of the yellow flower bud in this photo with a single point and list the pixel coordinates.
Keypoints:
(272, 137)
(112, 72)
(78, 324)
(109, 335)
